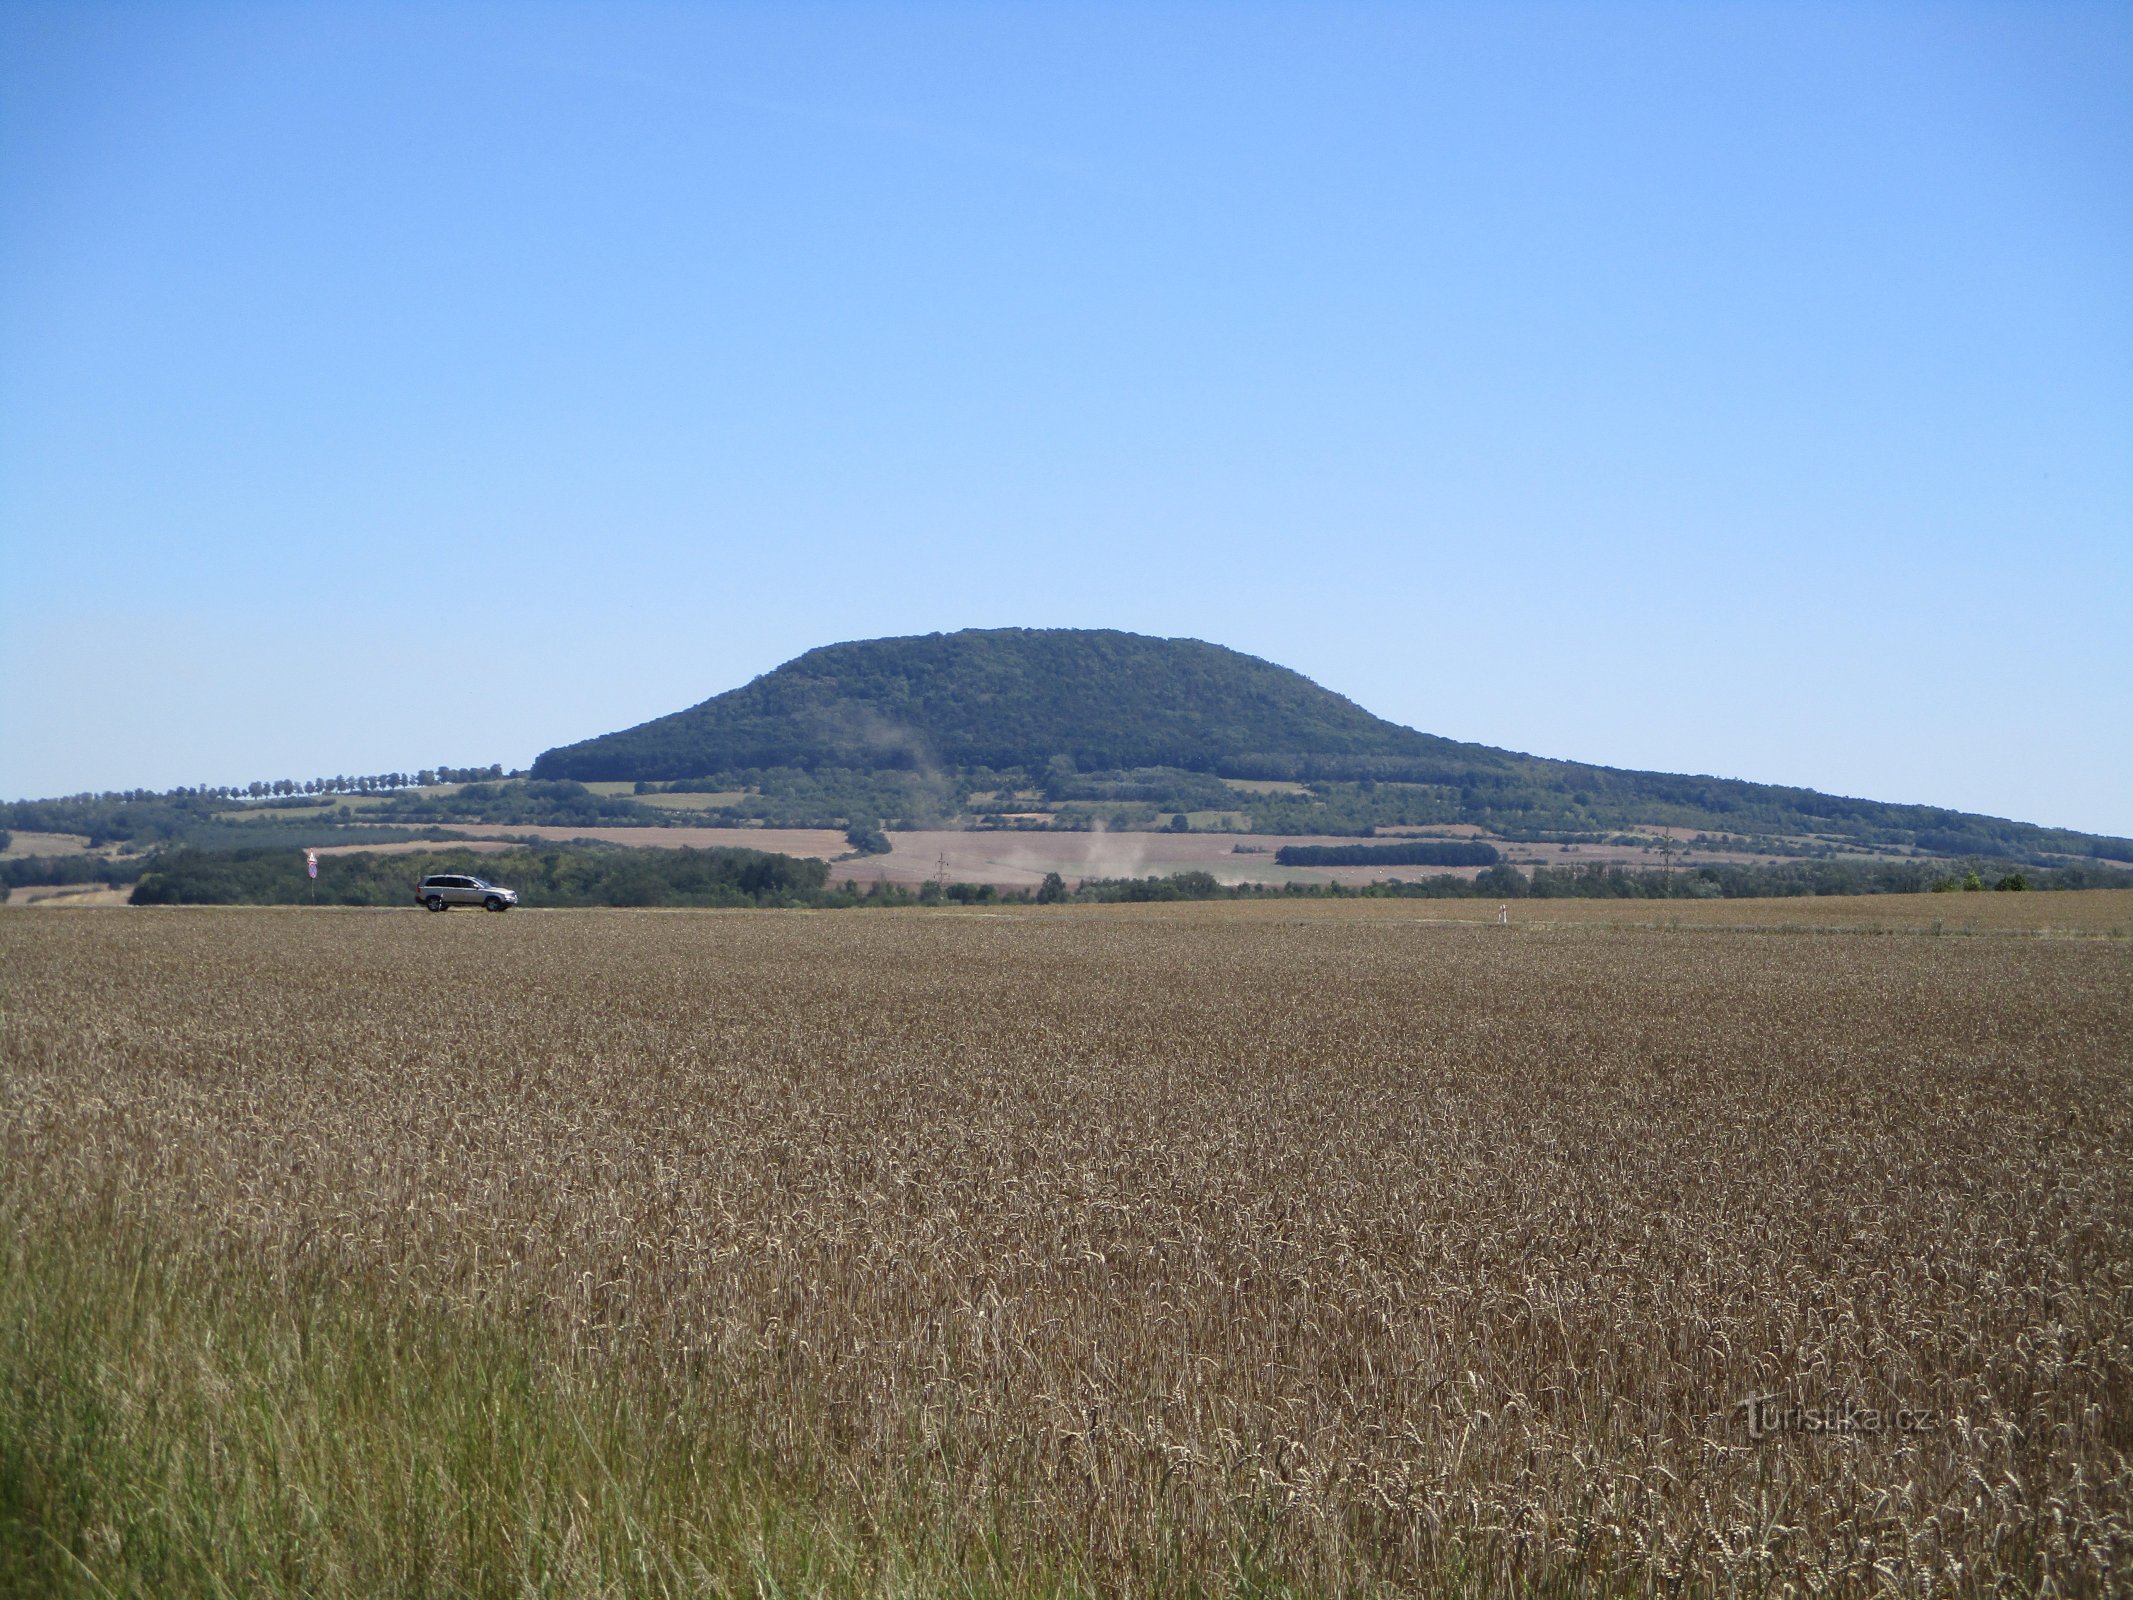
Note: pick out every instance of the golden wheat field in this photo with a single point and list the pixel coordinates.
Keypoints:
(1194, 1252)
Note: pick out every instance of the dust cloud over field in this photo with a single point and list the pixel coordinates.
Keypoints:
(1173, 1248)
(1018, 859)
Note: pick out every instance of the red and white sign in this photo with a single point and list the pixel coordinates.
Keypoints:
(311, 863)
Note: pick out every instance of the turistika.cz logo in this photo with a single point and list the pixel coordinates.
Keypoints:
(1767, 1414)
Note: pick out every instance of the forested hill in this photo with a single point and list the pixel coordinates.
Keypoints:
(1068, 718)
(1015, 698)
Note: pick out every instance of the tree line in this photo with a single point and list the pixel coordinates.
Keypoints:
(593, 875)
(579, 876)
(1406, 853)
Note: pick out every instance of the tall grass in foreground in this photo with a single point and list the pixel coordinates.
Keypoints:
(174, 1422)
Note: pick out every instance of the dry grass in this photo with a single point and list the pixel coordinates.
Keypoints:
(22, 842)
(692, 802)
(1154, 1253)
(65, 894)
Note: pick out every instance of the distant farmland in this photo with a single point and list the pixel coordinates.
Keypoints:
(1019, 860)
(1152, 1250)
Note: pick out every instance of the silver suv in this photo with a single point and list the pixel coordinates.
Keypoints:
(446, 889)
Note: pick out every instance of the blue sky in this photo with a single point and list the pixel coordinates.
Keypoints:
(1743, 389)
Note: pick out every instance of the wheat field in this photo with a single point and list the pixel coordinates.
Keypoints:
(1215, 1251)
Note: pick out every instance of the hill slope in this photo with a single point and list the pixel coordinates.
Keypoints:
(1017, 700)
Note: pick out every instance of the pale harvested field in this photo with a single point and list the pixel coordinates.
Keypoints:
(25, 843)
(403, 847)
(65, 895)
(1152, 1249)
(1019, 860)
(690, 802)
(1016, 860)
(1641, 860)
(668, 802)
(1003, 857)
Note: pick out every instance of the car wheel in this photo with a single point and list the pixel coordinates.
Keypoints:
(435, 902)
(492, 904)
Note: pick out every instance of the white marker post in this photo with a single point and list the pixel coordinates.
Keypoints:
(311, 871)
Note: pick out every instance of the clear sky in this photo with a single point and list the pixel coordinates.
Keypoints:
(1742, 389)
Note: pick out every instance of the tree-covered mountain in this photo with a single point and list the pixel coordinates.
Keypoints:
(1077, 712)
(1014, 698)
